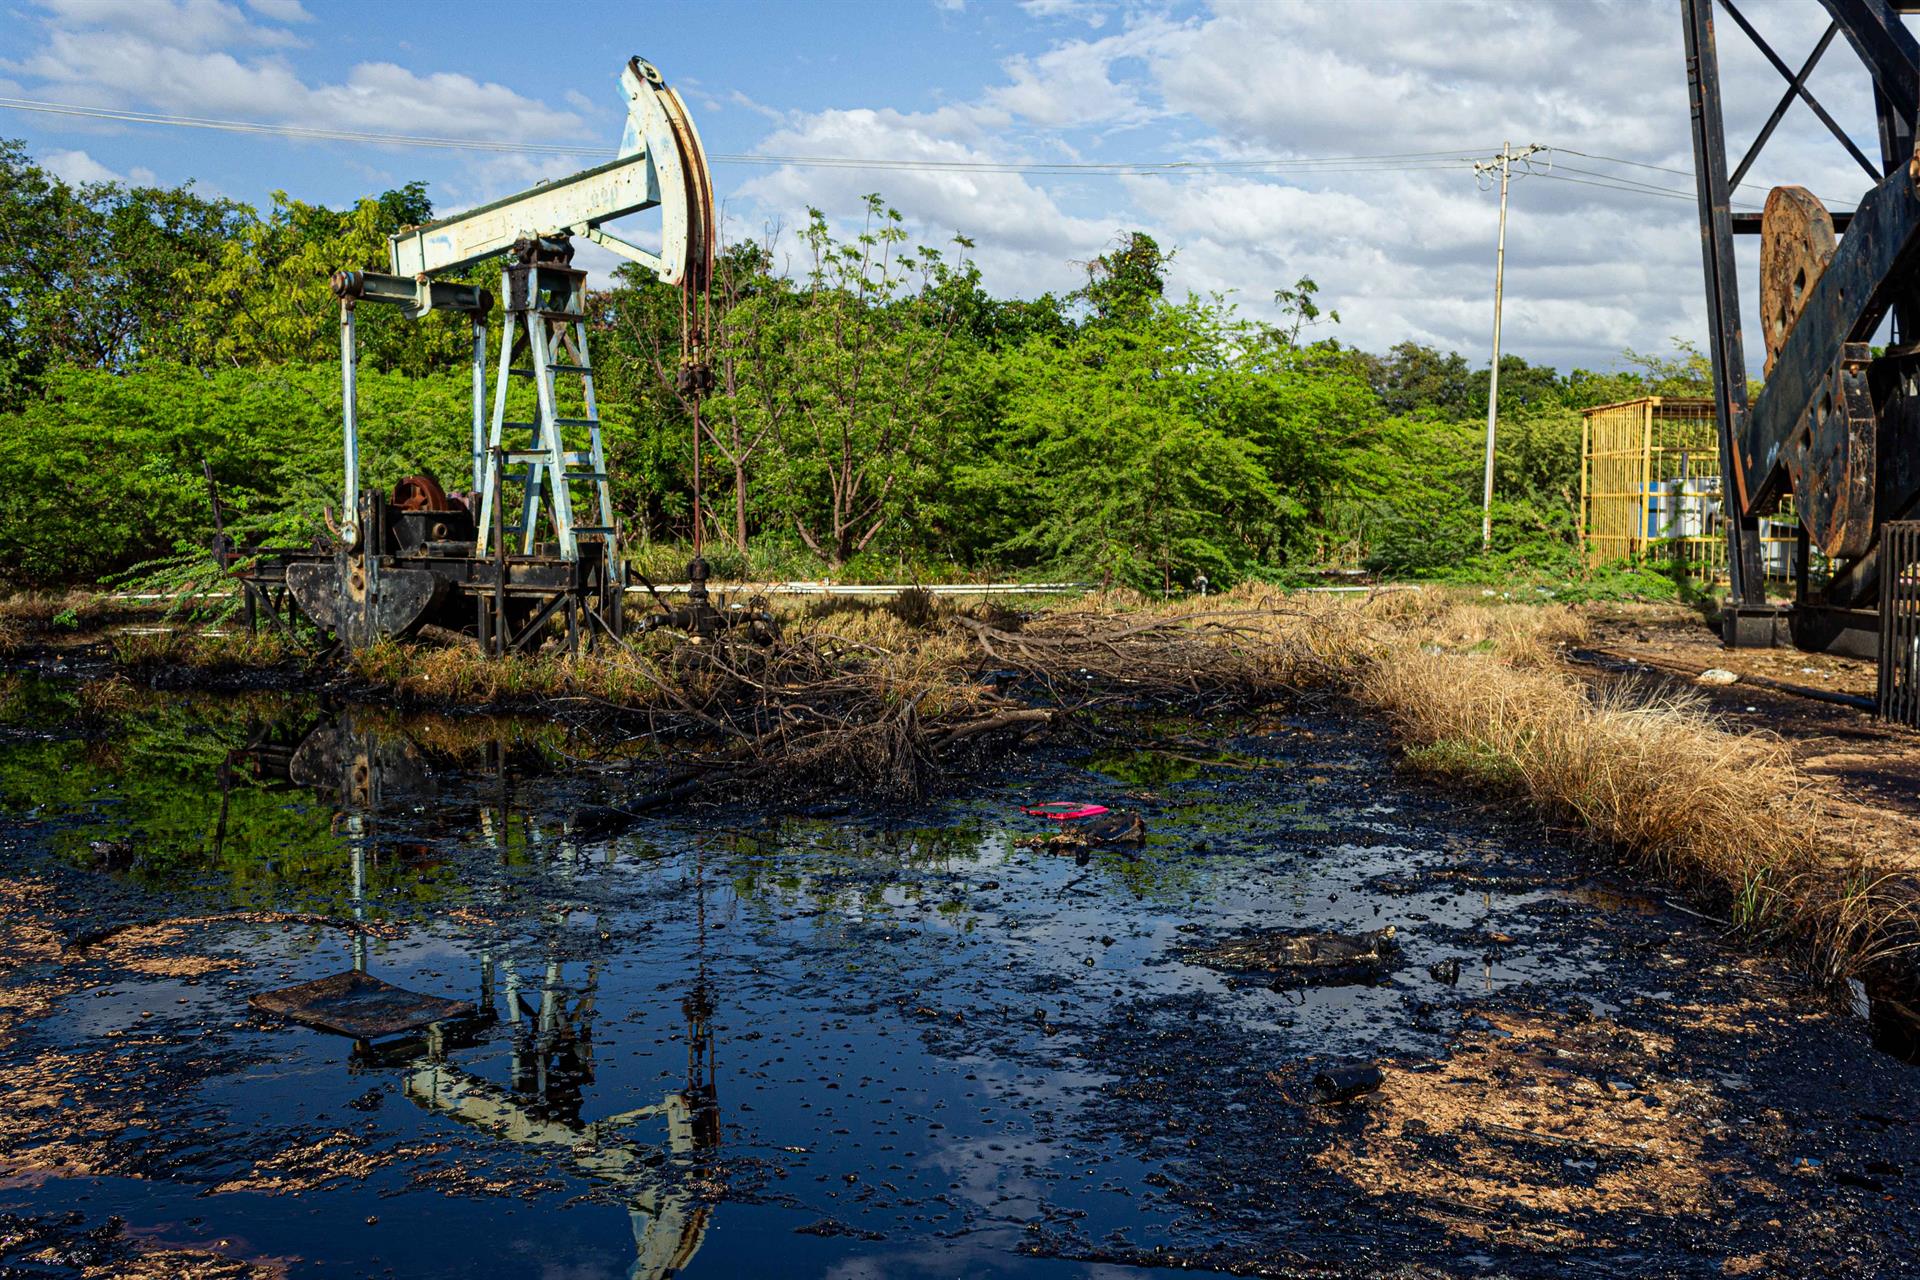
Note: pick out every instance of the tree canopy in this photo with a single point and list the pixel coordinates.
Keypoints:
(873, 408)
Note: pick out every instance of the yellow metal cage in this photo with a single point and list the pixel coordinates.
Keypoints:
(1650, 489)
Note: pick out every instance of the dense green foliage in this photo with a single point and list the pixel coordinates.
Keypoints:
(871, 410)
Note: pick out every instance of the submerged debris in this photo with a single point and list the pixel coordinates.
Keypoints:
(358, 1005)
(1121, 827)
(1343, 1084)
(1306, 956)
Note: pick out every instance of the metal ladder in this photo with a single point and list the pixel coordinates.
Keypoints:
(555, 343)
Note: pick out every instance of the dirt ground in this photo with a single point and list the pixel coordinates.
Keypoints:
(1874, 767)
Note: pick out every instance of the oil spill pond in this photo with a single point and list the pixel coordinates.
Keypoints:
(857, 1040)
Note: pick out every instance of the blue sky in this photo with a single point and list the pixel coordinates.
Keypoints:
(1244, 91)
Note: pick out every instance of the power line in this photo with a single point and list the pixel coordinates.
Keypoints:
(1640, 164)
(1169, 168)
(285, 130)
(1385, 160)
(1660, 168)
(1614, 177)
(1637, 189)
(1380, 162)
(1634, 185)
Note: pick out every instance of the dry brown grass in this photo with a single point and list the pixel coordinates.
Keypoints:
(149, 648)
(28, 616)
(858, 695)
(38, 609)
(1726, 815)
(1477, 1145)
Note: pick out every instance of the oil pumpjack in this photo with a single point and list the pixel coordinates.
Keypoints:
(1837, 423)
(536, 537)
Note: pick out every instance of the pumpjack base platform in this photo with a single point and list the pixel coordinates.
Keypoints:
(359, 1005)
(1809, 625)
(1824, 628)
(1748, 626)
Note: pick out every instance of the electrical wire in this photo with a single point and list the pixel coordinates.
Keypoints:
(1382, 162)
(286, 130)
(1140, 168)
(1638, 189)
(1661, 168)
(1650, 187)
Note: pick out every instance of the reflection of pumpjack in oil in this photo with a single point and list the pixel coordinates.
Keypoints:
(358, 770)
(552, 1053)
(541, 1109)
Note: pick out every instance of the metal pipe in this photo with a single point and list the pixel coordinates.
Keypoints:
(494, 473)
(350, 425)
(356, 829)
(479, 400)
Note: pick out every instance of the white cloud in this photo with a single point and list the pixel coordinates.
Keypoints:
(77, 167)
(1026, 242)
(740, 99)
(180, 56)
(1400, 248)
(1072, 84)
(1091, 12)
(177, 24)
(280, 10)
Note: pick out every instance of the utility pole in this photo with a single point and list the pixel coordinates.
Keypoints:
(1483, 170)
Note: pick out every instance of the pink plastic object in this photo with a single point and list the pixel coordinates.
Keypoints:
(1064, 810)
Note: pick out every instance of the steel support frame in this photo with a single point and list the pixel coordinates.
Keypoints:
(1874, 31)
(1746, 576)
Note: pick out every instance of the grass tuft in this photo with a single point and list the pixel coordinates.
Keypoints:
(1725, 815)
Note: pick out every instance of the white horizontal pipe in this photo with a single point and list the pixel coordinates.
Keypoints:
(876, 589)
(771, 589)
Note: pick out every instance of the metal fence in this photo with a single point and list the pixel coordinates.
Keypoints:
(1650, 489)
(1899, 698)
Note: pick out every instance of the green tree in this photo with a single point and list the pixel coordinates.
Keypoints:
(1125, 282)
(104, 470)
(88, 274)
(1133, 441)
(1299, 310)
(859, 358)
(265, 296)
(1412, 378)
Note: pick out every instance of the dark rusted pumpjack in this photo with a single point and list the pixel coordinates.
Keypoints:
(1836, 425)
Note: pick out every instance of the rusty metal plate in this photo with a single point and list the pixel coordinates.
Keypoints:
(1831, 459)
(1796, 244)
(316, 589)
(346, 607)
(359, 1005)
